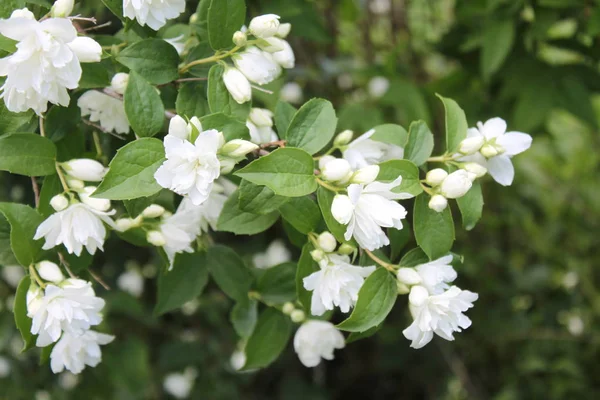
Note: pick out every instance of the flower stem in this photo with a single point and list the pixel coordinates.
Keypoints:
(427, 189)
(42, 128)
(62, 178)
(441, 159)
(386, 265)
(34, 274)
(328, 186)
(214, 58)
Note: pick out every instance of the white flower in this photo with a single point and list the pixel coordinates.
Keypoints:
(62, 8)
(190, 169)
(257, 65)
(435, 177)
(177, 42)
(275, 254)
(237, 85)
(178, 385)
(153, 13)
(327, 242)
(281, 51)
(75, 227)
(46, 63)
(5, 367)
(498, 148)
(337, 169)
(364, 151)
(264, 26)
(291, 92)
(107, 110)
(96, 204)
(179, 232)
(85, 169)
(71, 306)
(12, 274)
(315, 340)
(441, 314)
(206, 214)
(380, 7)
(438, 203)
(368, 208)
(456, 185)
(49, 271)
(75, 350)
(131, 282)
(119, 82)
(378, 86)
(433, 276)
(336, 284)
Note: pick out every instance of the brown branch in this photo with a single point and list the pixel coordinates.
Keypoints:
(36, 191)
(93, 28)
(98, 279)
(101, 129)
(277, 143)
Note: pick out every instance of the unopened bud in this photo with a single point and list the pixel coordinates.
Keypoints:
(438, 203)
(342, 208)
(119, 82)
(238, 148)
(50, 272)
(62, 8)
(365, 175)
(124, 224)
(261, 117)
(317, 255)
(346, 249)
(456, 185)
(264, 26)
(471, 145)
(153, 211)
(402, 288)
(75, 184)
(327, 242)
(240, 38)
(409, 276)
(59, 202)
(475, 168)
(343, 138)
(97, 204)
(288, 308)
(284, 30)
(237, 85)
(336, 170)
(193, 18)
(156, 238)
(227, 165)
(418, 295)
(435, 177)
(85, 169)
(297, 316)
(324, 160)
(489, 151)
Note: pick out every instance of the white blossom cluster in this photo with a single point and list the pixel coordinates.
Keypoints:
(105, 109)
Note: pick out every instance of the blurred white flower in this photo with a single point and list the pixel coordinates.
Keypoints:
(316, 340)
(378, 86)
(106, 110)
(380, 7)
(238, 360)
(46, 63)
(5, 367)
(132, 282)
(275, 254)
(179, 385)
(179, 232)
(12, 274)
(153, 13)
(292, 93)
(68, 380)
(257, 65)
(206, 214)
(75, 350)
(364, 151)
(336, 284)
(575, 325)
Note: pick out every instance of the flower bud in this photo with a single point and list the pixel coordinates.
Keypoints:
(402, 288)
(343, 138)
(119, 82)
(59, 202)
(49, 271)
(22, 13)
(227, 165)
(153, 211)
(471, 145)
(346, 249)
(240, 38)
(193, 18)
(456, 185)
(34, 298)
(438, 203)
(62, 8)
(97, 204)
(179, 128)
(297, 316)
(75, 184)
(284, 30)
(288, 308)
(327, 242)
(409, 276)
(488, 151)
(418, 295)
(324, 160)
(336, 170)
(264, 26)
(125, 224)
(435, 177)
(475, 168)
(261, 117)
(156, 238)
(284, 57)
(317, 255)
(342, 208)
(86, 49)
(85, 169)
(365, 175)
(237, 85)
(238, 148)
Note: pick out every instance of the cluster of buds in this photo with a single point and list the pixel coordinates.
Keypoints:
(153, 211)
(446, 186)
(79, 171)
(326, 244)
(340, 172)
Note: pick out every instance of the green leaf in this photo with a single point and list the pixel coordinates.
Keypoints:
(183, 283)
(11, 122)
(231, 127)
(6, 255)
(284, 113)
(391, 133)
(224, 18)
(135, 207)
(27, 154)
(413, 258)
(7, 44)
(313, 126)
(50, 188)
(355, 336)
(143, 106)
(306, 266)
(434, 231)
(420, 143)
(116, 7)
(219, 98)
(131, 172)
(230, 272)
(398, 239)
(391, 170)
(23, 221)
(155, 60)
(270, 336)
(94, 75)
(471, 206)
(201, 25)
(244, 316)
(456, 124)
(287, 171)
(325, 199)
(190, 103)
(277, 285)
(61, 122)
(303, 213)
(235, 220)
(22, 321)
(376, 299)
(498, 40)
(259, 199)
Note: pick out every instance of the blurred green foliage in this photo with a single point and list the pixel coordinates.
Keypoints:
(533, 258)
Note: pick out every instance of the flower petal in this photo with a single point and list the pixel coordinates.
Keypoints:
(514, 142)
(501, 169)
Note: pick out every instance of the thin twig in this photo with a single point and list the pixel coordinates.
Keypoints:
(261, 89)
(386, 265)
(184, 80)
(36, 191)
(101, 129)
(93, 28)
(98, 279)
(277, 143)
